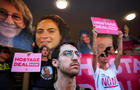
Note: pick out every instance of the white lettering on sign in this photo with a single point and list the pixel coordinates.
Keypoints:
(27, 59)
(106, 27)
(104, 23)
(126, 61)
(136, 65)
(87, 66)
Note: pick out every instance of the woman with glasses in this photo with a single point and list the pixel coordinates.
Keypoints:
(15, 24)
(105, 77)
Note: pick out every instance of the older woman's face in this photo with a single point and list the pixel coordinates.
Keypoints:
(85, 38)
(11, 19)
(48, 34)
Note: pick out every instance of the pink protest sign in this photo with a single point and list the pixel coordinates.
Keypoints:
(106, 26)
(26, 63)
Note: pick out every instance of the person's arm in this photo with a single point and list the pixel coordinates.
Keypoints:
(95, 55)
(118, 57)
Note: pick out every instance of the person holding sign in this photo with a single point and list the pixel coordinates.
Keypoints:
(105, 77)
(44, 79)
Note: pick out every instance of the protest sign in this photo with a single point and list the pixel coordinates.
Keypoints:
(26, 63)
(105, 26)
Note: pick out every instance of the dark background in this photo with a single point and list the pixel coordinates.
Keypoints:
(77, 14)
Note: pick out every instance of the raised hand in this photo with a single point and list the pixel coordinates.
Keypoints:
(94, 31)
(120, 35)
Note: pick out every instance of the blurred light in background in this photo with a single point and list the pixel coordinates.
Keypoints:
(61, 4)
(130, 16)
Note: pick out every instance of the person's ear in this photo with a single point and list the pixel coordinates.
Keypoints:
(55, 62)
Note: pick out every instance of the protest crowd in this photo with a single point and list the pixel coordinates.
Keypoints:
(44, 57)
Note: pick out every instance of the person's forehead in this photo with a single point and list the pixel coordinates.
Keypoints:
(67, 47)
(5, 4)
(45, 48)
(46, 22)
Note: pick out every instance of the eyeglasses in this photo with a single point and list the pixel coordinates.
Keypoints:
(70, 53)
(103, 55)
(4, 15)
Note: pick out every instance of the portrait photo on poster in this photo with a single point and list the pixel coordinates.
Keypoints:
(15, 24)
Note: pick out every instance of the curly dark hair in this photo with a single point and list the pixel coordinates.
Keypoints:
(63, 27)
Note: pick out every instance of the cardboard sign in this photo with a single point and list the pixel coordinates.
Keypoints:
(128, 72)
(26, 63)
(105, 26)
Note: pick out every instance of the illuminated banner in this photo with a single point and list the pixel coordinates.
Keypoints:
(26, 63)
(106, 26)
(128, 72)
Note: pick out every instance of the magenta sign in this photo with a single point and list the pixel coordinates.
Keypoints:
(105, 26)
(26, 63)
